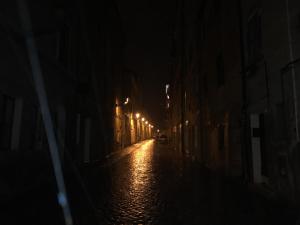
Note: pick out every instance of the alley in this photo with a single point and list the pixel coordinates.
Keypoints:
(150, 183)
(150, 112)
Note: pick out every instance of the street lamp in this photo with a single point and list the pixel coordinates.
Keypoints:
(143, 119)
(127, 101)
(137, 115)
(124, 103)
(146, 122)
(167, 88)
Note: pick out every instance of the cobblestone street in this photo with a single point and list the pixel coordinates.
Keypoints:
(147, 183)
(151, 184)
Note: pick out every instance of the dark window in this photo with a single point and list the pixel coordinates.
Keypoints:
(281, 124)
(40, 139)
(190, 53)
(298, 24)
(263, 147)
(217, 8)
(221, 135)
(256, 132)
(202, 31)
(220, 70)
(205, 86)
(254, 38)
(6, 120)
(63, 45)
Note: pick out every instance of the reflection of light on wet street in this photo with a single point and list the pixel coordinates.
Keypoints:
(132, 187)
(149, 184)
(140, 167)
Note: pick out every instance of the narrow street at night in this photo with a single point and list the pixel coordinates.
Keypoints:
(150, 112)
(150, 183)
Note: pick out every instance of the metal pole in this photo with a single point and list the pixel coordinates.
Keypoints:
(45, 110)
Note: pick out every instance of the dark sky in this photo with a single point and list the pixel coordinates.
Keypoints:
(147, 25)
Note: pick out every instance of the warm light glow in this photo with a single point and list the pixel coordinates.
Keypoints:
(167, 88)
(139, 182)
(149, 125)
(158, 130)
(168, 97)
(143, 119)
(127, 101)
(137, 115)
(146, 122)
(118, 111)
(132, 129)
(186, 122)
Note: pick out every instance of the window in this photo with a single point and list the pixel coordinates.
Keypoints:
(6, 120)
(220, 70)
(263, 147)
(63, 45)
(202, 31)
(217, 9)
(221, 134)
(40, 139)
(190, 54)
(205, 86)
(254, 38)
(298, 22)
(196, 83)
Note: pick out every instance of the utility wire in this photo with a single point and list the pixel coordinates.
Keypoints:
(45, 110)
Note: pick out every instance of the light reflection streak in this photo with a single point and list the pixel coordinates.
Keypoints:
(140, 168)
(132, 193)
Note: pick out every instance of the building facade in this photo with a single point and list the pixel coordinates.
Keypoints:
(234, 89)
(81, 60)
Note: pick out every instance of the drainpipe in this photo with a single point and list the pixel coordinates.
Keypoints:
(291, 59)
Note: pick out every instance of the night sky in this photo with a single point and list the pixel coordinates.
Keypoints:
(147, 25)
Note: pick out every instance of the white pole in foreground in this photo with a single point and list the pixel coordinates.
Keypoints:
(46, 115)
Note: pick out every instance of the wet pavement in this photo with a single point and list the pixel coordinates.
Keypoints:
(151, 184)
(147, 183)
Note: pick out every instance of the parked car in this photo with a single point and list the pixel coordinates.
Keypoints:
(163, 139)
